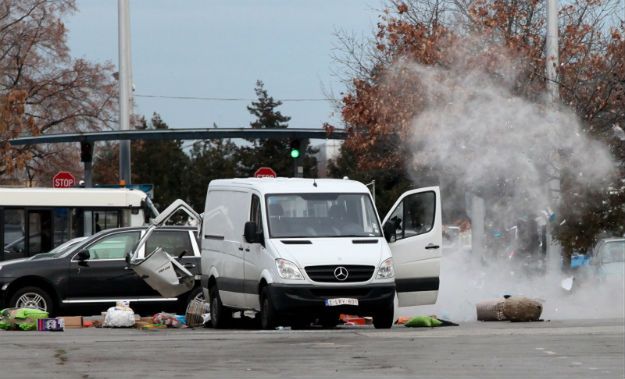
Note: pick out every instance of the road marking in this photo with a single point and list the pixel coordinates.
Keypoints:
(549, 352)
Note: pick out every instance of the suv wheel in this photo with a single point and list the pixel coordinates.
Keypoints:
(220, 315)
(32, 297)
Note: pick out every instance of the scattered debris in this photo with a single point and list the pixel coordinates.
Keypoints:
(490, 310)
(522, 309)
(567, 283)
(198, 313)
(423, 322)
(21, 318)
(50, 325)
(355, 320)
(169, 320)
(119, 316)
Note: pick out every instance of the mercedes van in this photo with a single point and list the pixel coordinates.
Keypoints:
(296, 250)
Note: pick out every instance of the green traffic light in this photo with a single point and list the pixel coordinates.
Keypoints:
(294, 153)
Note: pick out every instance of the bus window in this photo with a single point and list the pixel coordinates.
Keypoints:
(88, 223)
(14, 232)
(77, 222)
(105, 220)
(39, 231)
(62, 223)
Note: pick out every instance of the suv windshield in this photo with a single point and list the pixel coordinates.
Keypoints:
(321, 215)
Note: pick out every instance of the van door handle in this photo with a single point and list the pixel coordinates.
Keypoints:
(240, 248)
(247, 249)
(432, 246)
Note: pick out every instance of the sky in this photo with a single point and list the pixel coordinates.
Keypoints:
(219, 48)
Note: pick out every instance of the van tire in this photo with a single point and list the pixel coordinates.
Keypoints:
(329, 321)
(268, 314)
(220, 315)
(385, 317)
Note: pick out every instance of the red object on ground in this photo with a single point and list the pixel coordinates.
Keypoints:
(265, 172)
(353, 320)
(63, 179)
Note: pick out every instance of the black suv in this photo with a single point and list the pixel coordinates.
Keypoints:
(71, 277)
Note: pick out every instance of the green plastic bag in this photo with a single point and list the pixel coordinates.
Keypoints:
(423, 322)
(33, 314)
(21, 318)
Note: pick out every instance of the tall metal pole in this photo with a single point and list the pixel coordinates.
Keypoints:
(552, 63)
(551, 52)
(124, 88)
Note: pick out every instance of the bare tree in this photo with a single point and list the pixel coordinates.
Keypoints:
(61, 94)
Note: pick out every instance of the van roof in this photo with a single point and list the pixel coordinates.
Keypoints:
(292, 185)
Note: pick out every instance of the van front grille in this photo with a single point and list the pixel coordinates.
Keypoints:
(326, 274)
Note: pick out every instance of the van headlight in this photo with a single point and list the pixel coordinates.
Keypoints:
(288, 270)
(386, 270)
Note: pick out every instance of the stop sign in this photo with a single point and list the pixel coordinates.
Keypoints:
(63, 179)
(265, 172)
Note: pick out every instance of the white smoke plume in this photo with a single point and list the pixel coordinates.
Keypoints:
(475, 129)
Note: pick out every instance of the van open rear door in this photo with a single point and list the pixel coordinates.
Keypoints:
(414, 232)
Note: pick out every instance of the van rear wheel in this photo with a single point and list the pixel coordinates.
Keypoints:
(220, 315)
(268, 314)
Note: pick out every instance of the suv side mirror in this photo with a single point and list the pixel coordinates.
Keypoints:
(83, 255)
(250, 232)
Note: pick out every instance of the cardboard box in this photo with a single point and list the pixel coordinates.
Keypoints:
(73, 322)
(50, 325)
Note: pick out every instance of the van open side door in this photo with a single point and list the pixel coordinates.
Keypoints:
(413, 229)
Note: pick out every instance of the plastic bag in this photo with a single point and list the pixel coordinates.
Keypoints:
(119, 316)
(21, 318)
(423, 321)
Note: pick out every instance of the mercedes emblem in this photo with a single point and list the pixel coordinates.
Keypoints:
(341, 273)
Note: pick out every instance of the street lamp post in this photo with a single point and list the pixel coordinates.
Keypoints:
(124, 88)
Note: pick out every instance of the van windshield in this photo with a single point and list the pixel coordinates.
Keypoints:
(321, 215)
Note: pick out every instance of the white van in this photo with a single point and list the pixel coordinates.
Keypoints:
(302, 249)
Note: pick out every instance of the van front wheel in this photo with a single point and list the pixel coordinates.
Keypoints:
(385, 317)
(268, 314)
(220, 315)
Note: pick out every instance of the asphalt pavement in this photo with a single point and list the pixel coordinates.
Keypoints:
(555, 349)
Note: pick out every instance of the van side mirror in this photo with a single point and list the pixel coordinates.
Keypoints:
(83, 255)
(250, 232)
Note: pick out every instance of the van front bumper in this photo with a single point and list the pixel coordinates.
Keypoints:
(289, 298)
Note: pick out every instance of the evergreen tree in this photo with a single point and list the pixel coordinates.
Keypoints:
(210, 159)
(272, 153)
(162, 163)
